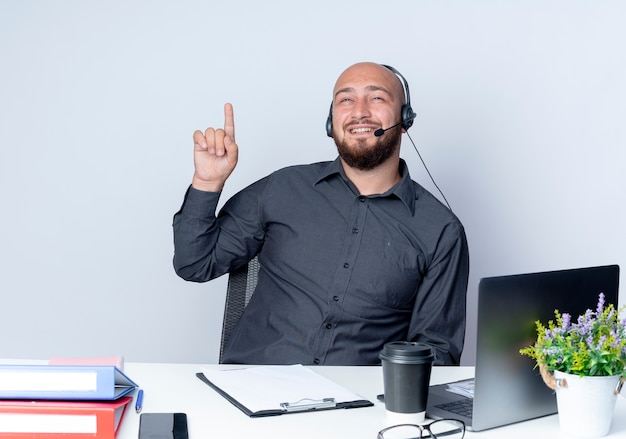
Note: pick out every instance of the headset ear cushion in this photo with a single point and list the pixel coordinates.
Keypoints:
(408, 116)
(329, 122)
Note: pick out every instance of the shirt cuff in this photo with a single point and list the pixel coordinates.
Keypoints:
(200, 204)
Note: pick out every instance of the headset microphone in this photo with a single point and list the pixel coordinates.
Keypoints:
(379, 132)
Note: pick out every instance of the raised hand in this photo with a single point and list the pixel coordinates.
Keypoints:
(215, 154)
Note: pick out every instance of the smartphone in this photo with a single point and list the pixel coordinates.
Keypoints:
(163, 426)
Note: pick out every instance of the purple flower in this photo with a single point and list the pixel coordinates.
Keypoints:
(600, 303)
(551, 351)
(610, 315)
(567, 319)
(583, 327)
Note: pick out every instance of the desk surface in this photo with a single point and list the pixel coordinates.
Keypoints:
(175, 388)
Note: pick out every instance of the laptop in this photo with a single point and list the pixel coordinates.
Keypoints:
(507, 388)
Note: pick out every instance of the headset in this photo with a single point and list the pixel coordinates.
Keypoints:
(406, 112)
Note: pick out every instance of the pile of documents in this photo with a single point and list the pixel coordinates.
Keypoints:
(463, 388)
(86, 401)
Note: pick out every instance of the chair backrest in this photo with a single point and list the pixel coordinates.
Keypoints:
(241, 285)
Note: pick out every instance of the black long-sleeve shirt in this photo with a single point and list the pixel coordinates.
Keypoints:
(341, 273)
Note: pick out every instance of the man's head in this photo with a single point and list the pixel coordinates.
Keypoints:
(367, 97)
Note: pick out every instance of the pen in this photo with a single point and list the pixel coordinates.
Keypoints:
(139, 401)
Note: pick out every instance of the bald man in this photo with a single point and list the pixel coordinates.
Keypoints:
(353, 253)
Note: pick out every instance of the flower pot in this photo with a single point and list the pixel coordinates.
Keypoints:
(586, 404)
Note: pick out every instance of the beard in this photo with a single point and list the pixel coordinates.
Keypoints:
(367, 158)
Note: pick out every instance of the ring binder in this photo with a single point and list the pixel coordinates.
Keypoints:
(63, 382)
(308, 404)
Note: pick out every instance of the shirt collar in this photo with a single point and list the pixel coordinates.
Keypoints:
(404, 190)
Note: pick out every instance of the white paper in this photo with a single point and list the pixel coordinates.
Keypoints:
(464, 388)
(48, 381)
(266, 387)
(47, 423)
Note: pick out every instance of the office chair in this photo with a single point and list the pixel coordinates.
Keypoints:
(241, 284)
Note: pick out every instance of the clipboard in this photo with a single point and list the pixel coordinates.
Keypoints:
(278, 390)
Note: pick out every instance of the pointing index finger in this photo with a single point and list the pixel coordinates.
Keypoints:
(229, 121)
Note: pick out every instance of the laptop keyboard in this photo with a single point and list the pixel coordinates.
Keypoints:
(462, 407)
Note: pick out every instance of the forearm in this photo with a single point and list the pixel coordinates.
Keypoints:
(195, 236)
(440, 309)
(206, 246)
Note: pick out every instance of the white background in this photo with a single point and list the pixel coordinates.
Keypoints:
(521, 120)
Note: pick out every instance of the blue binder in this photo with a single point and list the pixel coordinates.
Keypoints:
(61, 382)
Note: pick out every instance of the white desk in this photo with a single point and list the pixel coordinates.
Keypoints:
(175, 388)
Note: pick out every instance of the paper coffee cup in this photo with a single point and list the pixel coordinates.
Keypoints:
(406, 377)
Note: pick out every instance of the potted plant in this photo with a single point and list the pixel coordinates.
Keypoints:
(584, 361)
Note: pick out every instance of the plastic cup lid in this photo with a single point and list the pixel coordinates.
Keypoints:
(407, 352)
